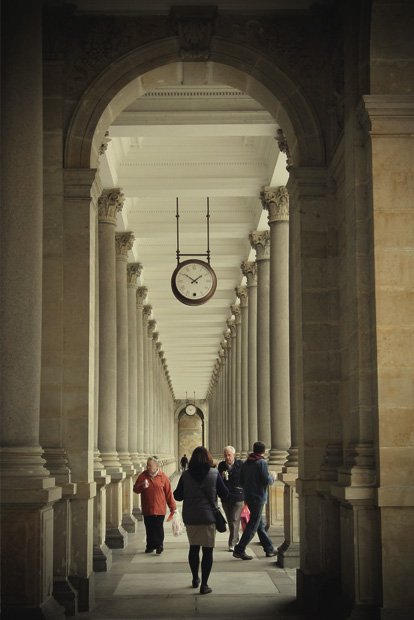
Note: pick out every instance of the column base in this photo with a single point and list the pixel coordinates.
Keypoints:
(50, 610)
(319, 595)
(85, 587)
(116, 538)
(288, 555)
(66, 596)
(129, 523)
(102, 559)
(397, 614)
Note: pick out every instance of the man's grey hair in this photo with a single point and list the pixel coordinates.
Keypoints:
(231, 448)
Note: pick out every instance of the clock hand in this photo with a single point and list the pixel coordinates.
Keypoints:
(187, 276)
(200, 276)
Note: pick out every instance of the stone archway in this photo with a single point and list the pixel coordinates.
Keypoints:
(191, 432)
(157, 64)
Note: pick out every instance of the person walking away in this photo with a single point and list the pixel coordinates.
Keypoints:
(155, 488)
(255, 478)
(184, 462)
(230, 469)
(198, 488)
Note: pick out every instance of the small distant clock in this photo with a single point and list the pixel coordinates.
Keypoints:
(193, 282)
(190, 410)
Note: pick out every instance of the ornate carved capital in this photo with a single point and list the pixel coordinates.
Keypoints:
(276, 201)
(147, 311)
(260, 241)
(249, 269)
(110, 203)
(133, 272)
(124, 242)
(105, 143)
(142, 292)
(235, 308)
(241, 292)
(151, 327)
(231, 324)
(194, 27)
(284, 147)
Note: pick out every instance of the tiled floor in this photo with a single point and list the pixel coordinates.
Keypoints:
(143, 586)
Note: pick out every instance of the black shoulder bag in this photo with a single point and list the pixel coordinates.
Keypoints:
(218, 515)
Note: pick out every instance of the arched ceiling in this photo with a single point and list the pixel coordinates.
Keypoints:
(192, 143)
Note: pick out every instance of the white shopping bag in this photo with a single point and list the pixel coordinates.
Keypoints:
(177, 524)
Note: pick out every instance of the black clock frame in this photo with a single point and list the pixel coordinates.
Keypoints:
(182, 298)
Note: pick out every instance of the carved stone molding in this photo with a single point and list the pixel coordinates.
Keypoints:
(276, 201)
(194, 27)
(142, 292)
(134, 270)
(242, 294)
(109, 204)
(124, 242)
(105, 143)
(260, 241)
(249, 269)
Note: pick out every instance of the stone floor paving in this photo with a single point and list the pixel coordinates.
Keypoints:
(158, 587)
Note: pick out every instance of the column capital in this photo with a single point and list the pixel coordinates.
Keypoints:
(110, 203)
(241, 292)
(147, 311)
(151, 326)
(123, 243)
(235, 308)
(158, 344)
(260, 241)
(142, 292)
(231, 324)
(249, 269)
(276, 201)
(133, 272)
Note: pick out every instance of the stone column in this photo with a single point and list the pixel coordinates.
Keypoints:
(142, 292)
(249, 269)
(232, 381)
(260, 241)
(238, 362)
(222, 356)
(146, 313)
(110, 203)
(276, 202)
(241, 292)
(152, 323)
(27, 491)
(227, 348)
(124, 242)
(133, 273)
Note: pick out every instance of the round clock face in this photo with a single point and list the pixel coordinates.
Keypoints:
(193, 282)
(190, 410)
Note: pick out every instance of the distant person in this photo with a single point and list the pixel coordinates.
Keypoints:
(255, 478)
(199, 480)
(229, 470)
(156, 493)
(184, 462)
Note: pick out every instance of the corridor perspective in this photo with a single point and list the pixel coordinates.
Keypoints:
(207, 239)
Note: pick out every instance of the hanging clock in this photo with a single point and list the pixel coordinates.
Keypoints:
(190, 409)
(193, 282)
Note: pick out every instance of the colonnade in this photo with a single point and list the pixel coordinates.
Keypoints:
(249, 393)
(135, 393)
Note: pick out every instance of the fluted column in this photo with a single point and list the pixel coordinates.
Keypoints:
(151, 408)
(232, 380)
(276, 202)
(146, 314)
(235, 308)
(140, 298)
(222, 357)
(241, 292)
(249, 269)
(110, 203)
(27, 491)
(133, 272)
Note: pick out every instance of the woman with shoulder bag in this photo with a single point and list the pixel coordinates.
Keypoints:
(198, 488)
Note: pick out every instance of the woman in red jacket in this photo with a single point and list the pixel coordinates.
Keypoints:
(156, 493)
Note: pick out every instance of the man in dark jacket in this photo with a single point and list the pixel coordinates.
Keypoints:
(255, 478)
(229, 469)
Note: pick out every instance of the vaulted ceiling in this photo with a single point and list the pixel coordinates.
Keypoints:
(192, 143)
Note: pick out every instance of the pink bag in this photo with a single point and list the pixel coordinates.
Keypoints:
(244, 516)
